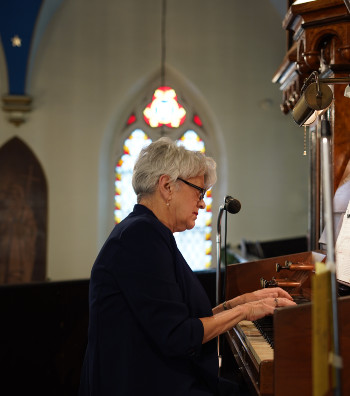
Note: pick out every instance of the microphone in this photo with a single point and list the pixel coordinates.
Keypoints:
(232, 205)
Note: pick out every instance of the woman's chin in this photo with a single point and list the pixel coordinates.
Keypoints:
(190, 226)
(185, 227)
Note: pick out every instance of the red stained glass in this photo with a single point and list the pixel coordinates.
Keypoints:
(164, 109)
(197, 120)
(131, 119)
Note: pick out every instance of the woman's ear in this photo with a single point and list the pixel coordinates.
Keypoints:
(165, 187)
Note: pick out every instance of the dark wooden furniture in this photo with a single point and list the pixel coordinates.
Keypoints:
(288, 370)
(318, 41)
(43, 336)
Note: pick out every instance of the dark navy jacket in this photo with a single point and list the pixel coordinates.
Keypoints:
(145, 337)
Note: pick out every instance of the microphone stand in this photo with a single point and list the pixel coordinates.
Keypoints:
(328, 202)
(233, 206)
(218, 272)
(218, 255)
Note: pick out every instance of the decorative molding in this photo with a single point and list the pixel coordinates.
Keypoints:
(17, 106)
(321, 43)
(321, 35)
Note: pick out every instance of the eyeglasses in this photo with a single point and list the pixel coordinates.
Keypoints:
(202, 190)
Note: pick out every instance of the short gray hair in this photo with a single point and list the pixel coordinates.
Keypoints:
(164, 157)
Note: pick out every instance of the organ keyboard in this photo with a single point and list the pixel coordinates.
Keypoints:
(286, 368)
(254, 355)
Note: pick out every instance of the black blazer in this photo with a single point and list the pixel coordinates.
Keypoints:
(145, 337)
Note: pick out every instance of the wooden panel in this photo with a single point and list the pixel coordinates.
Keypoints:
(43, 336)
(292, 335)
(341, 133)
(245, 277)
(293, 351)
(23, 215)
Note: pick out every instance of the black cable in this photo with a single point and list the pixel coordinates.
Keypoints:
(225, 260)
(163, 51)
(163, 43)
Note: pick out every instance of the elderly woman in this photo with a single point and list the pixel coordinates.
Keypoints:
(151, 328)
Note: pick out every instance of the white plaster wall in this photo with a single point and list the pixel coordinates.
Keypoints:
(87, 66)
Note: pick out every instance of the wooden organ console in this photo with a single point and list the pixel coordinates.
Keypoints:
(281, 364)
(318, 39)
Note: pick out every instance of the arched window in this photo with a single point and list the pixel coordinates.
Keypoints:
(124, 197)
(165, 111)
(196, 244)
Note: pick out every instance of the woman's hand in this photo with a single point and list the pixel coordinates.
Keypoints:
(274, 292)
(223, 320)
(258, 309)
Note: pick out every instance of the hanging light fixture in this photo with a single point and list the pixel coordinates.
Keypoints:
(315, 98)
(164, 110)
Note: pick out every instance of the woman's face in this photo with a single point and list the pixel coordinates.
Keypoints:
(186, 204)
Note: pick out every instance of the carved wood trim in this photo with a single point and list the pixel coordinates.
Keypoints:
(321, 43)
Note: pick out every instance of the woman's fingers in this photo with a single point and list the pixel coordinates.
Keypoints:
(283, 302)
(266, 306)
(271, 292)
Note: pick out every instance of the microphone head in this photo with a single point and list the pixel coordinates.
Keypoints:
(232, 205)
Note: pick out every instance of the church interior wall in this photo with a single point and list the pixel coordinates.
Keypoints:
(89, 62)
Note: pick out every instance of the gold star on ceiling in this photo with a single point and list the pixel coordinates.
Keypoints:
(16, 41)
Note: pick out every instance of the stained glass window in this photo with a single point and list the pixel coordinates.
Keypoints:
(131, 119)
(197, 120)
(164, 109)
(124, 195)
(195, 244)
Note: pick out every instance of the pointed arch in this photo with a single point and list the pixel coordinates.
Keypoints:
(200, 119)
(23, 214)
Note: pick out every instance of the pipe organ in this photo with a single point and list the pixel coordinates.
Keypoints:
(278, 361)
